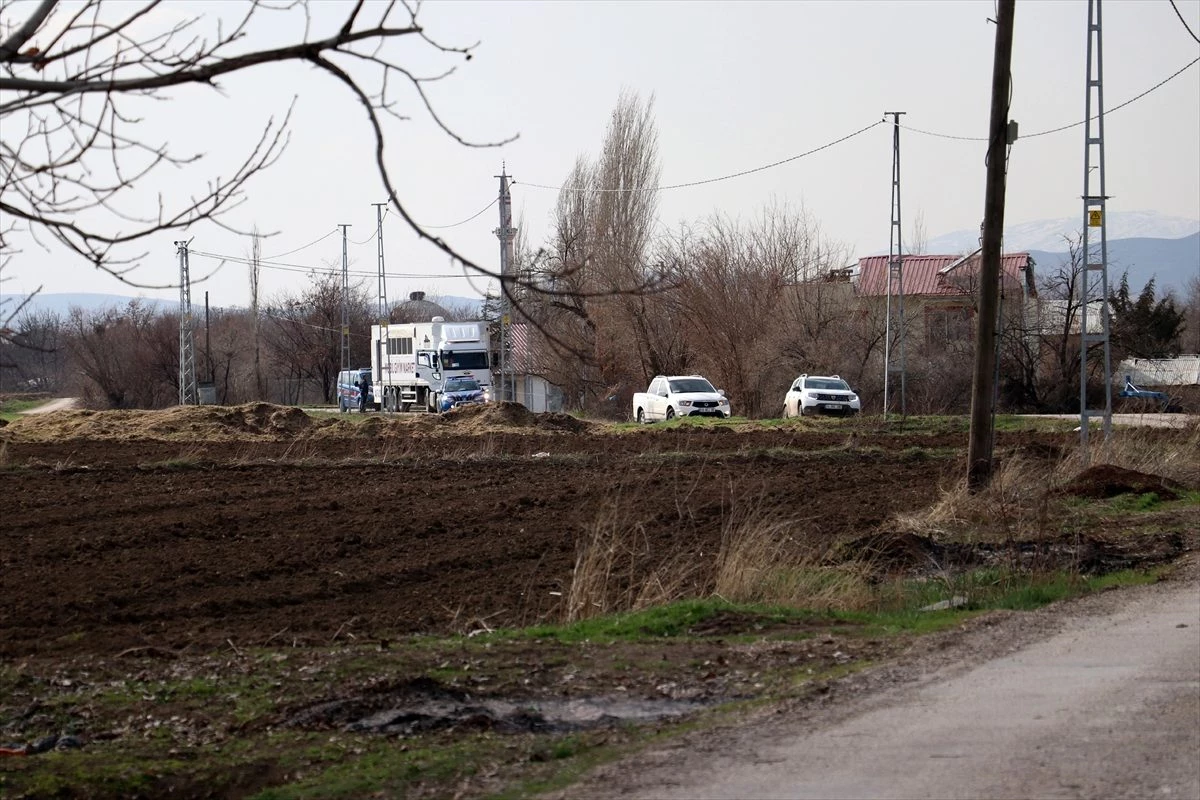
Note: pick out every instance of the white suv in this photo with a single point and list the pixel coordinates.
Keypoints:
(820, 394)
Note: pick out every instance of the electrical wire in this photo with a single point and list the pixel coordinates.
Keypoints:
(1187, 27)
(465, 221)
(305, 247)
(1134, 99)
(371, 238)
(311, 325)
(308, 268)
(730, 176)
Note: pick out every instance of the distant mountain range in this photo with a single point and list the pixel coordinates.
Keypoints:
(62, 303)
(1049, 235)
(1171, 263)
(1145, 244)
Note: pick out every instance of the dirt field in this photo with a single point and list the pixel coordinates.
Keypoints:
(197, 527)
(218, 601)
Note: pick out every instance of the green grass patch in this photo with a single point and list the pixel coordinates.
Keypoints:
(11, 409)
(654, 623)
(1147, 501)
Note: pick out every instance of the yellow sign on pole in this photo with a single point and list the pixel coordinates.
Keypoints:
(1095, 218)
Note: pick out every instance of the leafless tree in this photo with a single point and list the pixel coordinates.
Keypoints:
(31, 353)
(1191, 336)
(919, 243)
(1060, 320)
(124, 357)
(594, 272)
(303, 333)
(75, 76)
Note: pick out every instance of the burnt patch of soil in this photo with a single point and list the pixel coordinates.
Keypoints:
(893, 551)
(1105, 480)
(897, 552)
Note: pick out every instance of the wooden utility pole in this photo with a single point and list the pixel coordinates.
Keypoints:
(983, 387)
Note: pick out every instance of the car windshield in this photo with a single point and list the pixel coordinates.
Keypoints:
(826, 383)
(467, 359)
(691, 385)
(462, 385)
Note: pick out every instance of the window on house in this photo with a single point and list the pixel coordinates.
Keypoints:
(952, 324)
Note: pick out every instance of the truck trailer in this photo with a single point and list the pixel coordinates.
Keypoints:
(411, 361)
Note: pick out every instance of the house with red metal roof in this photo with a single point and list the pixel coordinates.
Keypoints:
(940, 291)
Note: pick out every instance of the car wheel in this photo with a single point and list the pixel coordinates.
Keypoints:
(670, 414)
(786, 411)
(641, 417)
(342, 405)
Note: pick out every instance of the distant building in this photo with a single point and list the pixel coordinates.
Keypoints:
(1157, 372)
(940, 290)
(530, 387)
(417, 309)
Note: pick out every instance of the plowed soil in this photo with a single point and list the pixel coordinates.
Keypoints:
(197, 527)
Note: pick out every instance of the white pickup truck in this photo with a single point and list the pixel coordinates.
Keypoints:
(679, 396)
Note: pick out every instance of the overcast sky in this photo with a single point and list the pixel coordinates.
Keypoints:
(735, 85)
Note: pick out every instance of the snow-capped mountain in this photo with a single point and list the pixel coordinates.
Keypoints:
(1048, 234)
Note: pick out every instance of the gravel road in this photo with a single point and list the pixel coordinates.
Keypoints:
(1097, 698)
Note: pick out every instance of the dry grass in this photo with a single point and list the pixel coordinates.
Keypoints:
(1170, 452)
(763, 558)
(1017, 503)
(767, 558)
(615, 570)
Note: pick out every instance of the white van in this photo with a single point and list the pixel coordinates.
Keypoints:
(349, 396)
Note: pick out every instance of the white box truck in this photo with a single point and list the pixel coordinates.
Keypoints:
(412, 361)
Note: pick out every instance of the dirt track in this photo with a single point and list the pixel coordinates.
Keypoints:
(254, 524)
(1094, 698)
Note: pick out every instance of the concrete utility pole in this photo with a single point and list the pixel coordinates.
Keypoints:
(895, 275)
(189, 391)
(345, 303)
(506, 233)
(983, 387)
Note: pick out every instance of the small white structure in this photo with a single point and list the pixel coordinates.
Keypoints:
(1178, 371)
(530, 388)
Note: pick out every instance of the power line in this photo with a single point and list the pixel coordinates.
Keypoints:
(1061, 128)
(305, 268)
(371, 238)
(772, 165)
(1187, 27)
(305, 247)
(464, 222)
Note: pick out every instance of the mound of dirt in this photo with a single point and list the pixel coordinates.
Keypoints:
(508, 416)
(892, 550)
(1106, 480)
(179, 423)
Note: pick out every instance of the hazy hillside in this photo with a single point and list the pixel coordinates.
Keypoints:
(1048, 235)
(1170, 262)
(62, 303)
